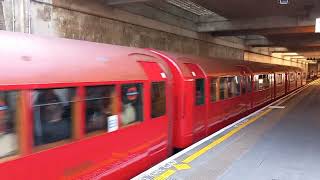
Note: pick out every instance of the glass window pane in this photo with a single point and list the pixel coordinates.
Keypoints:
(279, 79)
(101, 108)
(249, 84)
(199, 91)
(52, 114)
(213, 90)
(158, 99)
(8, 123)
(243, 85)
(223, 88)
(132, 104)
(236, 86)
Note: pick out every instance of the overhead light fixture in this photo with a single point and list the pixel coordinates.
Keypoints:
(284, 2)
(317, 25)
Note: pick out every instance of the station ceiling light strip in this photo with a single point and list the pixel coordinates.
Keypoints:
(191, 7)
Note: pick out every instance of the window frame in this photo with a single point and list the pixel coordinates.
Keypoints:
(257, 83)
(62, 142)
(165, 98)
(143, 96)
(84, 101)
(217, 81)
(18, 127)
(203, 89)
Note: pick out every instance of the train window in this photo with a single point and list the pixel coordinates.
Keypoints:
(223, 91)
(233, 86)
(299, 76)
(213, 90)
(261, 81)
(292, 76)
(158, 99)
(52, 114)
(101, 108)
(8, 123)
(271, 80)
(132, 105)
(243, 85)
(279, 79)
(249, 84)
(199, 91)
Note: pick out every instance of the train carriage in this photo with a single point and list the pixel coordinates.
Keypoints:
(77, 109)
(72, 109)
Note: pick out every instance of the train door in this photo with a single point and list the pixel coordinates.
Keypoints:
(158, 95)
(200, 101)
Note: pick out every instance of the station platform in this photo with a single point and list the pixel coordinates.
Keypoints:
(278, 142)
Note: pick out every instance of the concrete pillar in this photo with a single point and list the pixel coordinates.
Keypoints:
(16, 15)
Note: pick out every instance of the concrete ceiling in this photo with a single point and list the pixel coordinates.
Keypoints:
(291, 26)
(274, 25)
(233, 9)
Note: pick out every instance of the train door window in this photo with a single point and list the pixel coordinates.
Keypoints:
(299, 76)
(233, 86)
(279, 79)
(199, 91)
(8, 123)
(292, 77)
(52, 114)
(249, 84)
(213, 90)
(243, 85)
(158, 99)
(236, 86)
(271, 80)
(132, 103)
(256, 82)
(223, 91)
(101, 108)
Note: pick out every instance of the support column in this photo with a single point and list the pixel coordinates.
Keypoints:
(16, 15)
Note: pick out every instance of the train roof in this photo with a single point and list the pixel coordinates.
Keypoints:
(29, 59)
(212, 66)
(221, 67)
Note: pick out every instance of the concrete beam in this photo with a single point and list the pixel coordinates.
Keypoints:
(268, 31)
(121, 2)
(257, 23)
(258, 42)
(153, 12)
(174, 10)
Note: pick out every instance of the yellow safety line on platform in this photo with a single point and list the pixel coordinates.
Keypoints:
(223, 138)
(165, 175)
(192, 157)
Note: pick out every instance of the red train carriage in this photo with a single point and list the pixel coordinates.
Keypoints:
(73, 109)
(210, 93)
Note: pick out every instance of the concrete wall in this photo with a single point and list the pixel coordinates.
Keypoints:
(94, 21)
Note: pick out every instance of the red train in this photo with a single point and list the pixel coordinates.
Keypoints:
(72, 109)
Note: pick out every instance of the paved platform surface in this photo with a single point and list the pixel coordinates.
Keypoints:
(280, 142)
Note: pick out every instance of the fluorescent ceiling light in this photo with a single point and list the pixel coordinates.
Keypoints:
(318, 25)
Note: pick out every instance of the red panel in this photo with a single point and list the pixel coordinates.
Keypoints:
(153, 71)
(195, 71)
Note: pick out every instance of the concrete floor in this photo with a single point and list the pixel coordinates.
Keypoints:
(282, 145)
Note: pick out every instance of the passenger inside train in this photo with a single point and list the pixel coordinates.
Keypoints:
(131, 103)
(8, 137)
(100, 105)
(52, 115)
